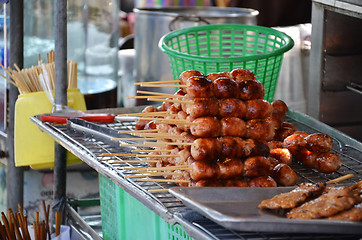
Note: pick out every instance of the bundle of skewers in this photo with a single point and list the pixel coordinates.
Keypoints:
(318, 201)
(14, 226)
(27, 80)
(217, 130)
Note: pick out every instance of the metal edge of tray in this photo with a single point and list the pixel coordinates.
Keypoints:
(88, 157)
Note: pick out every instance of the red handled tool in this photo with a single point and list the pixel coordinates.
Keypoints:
(61, 117)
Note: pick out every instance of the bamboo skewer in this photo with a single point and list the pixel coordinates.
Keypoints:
(155, 93)
(138, 155)
(158, 135)
(146, 114)
(143, 131)
(153, 174)
(340, 179)
(138, 169)
(162, 180)
(162, 85)
(134, 139)
(169, 100)
(158, 190)
(58, 218)
(158, 82)
(151, 150)
(155, 144)
(135, 161)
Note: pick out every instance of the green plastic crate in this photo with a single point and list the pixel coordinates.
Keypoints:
(224, 47)
(124, 217)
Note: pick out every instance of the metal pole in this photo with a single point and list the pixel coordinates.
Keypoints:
(14, 175)
(60, 36)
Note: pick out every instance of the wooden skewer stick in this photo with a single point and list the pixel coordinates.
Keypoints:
(132, 131)
(146, 96)
(134, 139)
(151, 150)
(158, 190)
(158, 82)
(145, 114)
(162, 180)
(336, 180)
(156, 93)
(135, 161)
(153, 174)
(155, 144)
(181, 167)
(162, 85)
(169, 100)
(165, 119)
(159, 135)
(139, 155)
(58, 218)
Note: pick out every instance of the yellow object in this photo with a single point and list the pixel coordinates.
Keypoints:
(31, 146)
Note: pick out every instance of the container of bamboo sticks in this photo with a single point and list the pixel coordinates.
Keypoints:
(31, 146)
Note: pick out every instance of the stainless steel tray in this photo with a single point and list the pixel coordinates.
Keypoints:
(237, 209)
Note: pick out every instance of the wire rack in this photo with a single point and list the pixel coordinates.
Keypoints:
(91, 141)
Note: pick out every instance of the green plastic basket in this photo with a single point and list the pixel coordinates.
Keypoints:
(224, 47)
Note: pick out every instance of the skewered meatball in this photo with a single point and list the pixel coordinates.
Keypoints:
(214, 76)
(274, 144)
(262, 181)
(202, 107)
(284, 175)
(206, 149)
(232, 107)
(259, 129)
(203, 170)
(233, 126)
(235, 182)
(295, 141)
(239, 74)
(251, 89)
(282, 155)
(140, 124)
(207, 183)
(327, 162)
(319, 142)
(257, 166)
(206, 127)
(278, 113)
(225, 87)
(230, 168)
(258, 108)
(189, 73)
(306, 157)
(199, 87)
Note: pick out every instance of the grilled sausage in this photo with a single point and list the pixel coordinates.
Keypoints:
(284, 175)
(233, 126)
(232, 107)
(327, 162)
(258, 109)
(251, 89)
(262, 181)
(239, 75)
(206, 127)
(319, 142)
(225, 87)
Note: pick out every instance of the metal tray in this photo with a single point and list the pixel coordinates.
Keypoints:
(237, 209)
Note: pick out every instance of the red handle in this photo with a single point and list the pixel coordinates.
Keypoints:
(104, 118)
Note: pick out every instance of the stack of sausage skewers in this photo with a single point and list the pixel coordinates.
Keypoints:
(217, 130)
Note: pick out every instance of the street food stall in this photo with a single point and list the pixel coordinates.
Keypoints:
(209, 158)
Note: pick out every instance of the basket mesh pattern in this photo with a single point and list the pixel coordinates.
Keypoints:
(222, 48)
